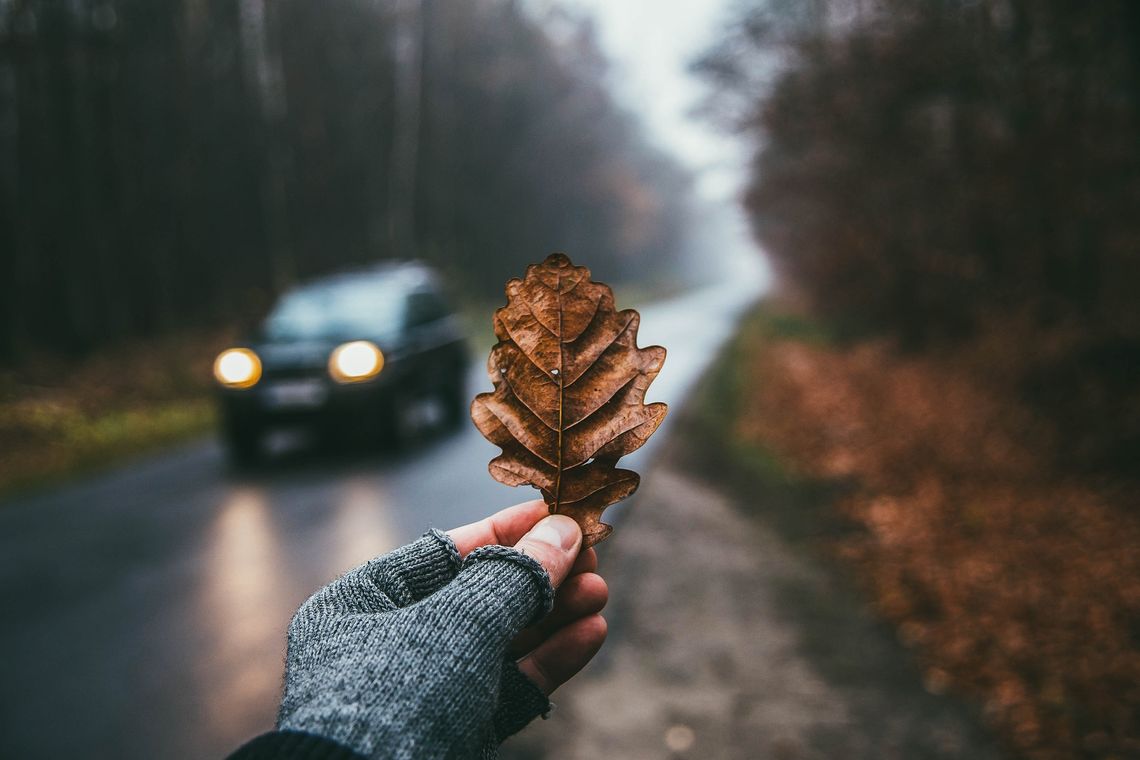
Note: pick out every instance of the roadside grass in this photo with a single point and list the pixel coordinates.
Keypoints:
(851, 647)
(63, 442)
(929, 488)
(799, 506)
(720, 400)
(477, 315)
(61, 418)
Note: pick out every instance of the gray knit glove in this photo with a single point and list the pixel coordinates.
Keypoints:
(406, 655)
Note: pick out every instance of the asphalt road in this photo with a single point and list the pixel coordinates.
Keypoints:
(143, 610)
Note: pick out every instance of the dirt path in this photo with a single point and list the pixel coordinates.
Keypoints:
(729, 641)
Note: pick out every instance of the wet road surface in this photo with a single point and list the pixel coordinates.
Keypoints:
(143, 610)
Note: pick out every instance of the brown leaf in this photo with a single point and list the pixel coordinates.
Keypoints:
(569, 398)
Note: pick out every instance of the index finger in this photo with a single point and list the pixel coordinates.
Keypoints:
(505, 527)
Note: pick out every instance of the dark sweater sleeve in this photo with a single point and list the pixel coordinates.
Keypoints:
(293, 745)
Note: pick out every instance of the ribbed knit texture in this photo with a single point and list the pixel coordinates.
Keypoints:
(406, 655)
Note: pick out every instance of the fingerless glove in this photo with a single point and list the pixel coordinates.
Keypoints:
(406, 655)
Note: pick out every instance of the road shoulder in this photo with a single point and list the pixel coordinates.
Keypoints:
(729, 640)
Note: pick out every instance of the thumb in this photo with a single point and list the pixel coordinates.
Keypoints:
(554, 542)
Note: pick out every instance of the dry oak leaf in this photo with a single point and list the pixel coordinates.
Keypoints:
(569, 398)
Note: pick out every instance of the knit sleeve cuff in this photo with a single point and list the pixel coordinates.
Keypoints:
(417, 570)
(536, 572)
(520, 702)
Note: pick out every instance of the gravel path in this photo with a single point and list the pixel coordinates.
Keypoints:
(727, 641)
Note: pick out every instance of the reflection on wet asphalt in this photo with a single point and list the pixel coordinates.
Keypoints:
(143, 611)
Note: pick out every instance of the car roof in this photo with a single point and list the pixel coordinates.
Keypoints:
(407, 275)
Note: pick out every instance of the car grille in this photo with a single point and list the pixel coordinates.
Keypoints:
(294, 373)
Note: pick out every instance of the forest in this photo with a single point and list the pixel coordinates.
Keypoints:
(947, 191)
(943, 385)
(945, 173)
(173, 164)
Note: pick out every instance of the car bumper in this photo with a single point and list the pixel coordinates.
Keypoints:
(301, 400)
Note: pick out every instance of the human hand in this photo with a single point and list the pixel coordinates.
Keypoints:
(561, 644)
(417, 652)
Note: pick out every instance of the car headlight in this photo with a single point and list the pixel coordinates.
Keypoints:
(237, 368)
(355, 361)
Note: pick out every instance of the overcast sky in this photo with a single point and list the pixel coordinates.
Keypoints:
(651, 44)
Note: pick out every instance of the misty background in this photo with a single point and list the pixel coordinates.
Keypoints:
(892, 246)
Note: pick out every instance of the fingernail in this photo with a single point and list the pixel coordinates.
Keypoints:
(556, 530)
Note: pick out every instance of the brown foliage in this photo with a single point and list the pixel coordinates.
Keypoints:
(959, 179)
(928, 171)
(569, 393)
(1016, 585)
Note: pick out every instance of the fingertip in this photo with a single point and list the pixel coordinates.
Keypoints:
(585, 593)
(599, 589)
(587, 562)
(533, 510)
(597, 628)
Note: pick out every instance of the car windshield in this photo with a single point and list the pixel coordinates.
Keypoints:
(340, 311)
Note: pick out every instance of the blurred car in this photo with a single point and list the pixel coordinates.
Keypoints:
(348, 354)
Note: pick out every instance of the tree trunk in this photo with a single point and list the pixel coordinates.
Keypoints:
(408, 51)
